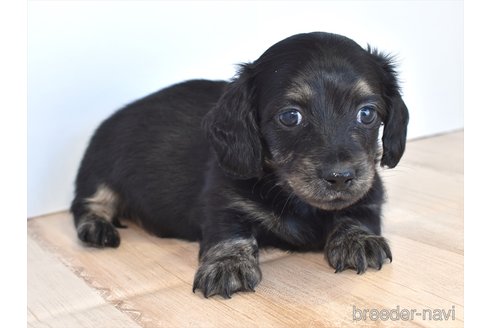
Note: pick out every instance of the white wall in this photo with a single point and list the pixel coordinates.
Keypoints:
(88, 58)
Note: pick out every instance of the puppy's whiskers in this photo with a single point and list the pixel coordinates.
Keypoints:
(265, 180)
(275, 185)
(286, 202)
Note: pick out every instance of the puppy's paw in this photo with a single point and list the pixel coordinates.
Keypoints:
(226, 277)
(228, 267)
(98, 232)
(357, 249)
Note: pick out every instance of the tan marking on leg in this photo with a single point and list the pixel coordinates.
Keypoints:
(103, 203)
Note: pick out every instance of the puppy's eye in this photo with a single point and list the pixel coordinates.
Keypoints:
(366, 115)
(290, 118)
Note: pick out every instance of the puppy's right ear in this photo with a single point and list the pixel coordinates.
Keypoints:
(233, 131)
(396, 118)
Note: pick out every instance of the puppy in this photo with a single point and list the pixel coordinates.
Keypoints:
(283, 156)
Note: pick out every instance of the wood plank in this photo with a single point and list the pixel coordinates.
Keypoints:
(58, 298)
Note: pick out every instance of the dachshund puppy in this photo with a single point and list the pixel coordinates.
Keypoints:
(283, 156)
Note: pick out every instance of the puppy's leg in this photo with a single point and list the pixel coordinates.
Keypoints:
(352, 245)
(93, 216)
(228, 266)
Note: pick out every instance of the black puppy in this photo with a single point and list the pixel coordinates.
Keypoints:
(283, 156)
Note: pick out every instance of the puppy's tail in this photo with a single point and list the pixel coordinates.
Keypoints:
(95, 217)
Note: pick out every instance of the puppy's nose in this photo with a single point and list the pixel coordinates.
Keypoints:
(340, 180)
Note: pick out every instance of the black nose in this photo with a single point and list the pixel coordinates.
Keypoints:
(340, 180)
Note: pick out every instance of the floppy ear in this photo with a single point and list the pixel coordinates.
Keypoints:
(232, 129)
(396, 118)
(395, 132)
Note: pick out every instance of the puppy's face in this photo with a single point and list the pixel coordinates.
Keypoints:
(310, 109)
(320, 134)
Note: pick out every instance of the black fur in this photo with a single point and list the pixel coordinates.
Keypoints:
(212, 161)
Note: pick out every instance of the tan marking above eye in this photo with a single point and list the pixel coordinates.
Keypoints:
(362, 88)
(300, 92)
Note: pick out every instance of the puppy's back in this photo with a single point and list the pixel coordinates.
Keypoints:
(149, 159)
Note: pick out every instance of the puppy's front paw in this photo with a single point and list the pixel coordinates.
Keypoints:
(228, 267)
(357, 249)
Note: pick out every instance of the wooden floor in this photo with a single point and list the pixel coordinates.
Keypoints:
(147, 281)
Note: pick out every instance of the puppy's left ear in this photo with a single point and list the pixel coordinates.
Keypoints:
(395, 132)
(396, 118)
(232, 129)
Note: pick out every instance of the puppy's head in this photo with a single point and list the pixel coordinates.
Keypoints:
(310, 109)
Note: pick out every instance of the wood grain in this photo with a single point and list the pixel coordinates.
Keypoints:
(147, 281)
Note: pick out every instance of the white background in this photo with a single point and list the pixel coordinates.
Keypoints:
(88, 58)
